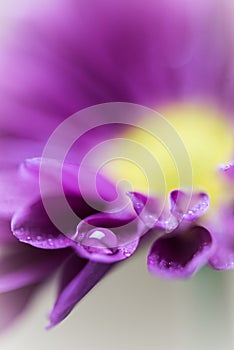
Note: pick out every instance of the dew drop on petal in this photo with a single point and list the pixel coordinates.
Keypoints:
(98, 241)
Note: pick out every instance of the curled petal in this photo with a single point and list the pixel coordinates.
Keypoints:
(151, 211)
(79, 276)
(227, 169)
(188, 206)
(32, 224)
(181, 253)
(107, 238)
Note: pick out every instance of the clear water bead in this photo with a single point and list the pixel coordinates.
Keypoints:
(98, 241)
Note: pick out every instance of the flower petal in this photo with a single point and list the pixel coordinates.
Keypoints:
(14, 193)
(188, 206)
(38, 177)
(26, 266)
(223, 258)
(80, 277)
(152, 212)
(6, 236)
(32, 225)
(181, 253)
(25, 149)
(53, 173)
(62, 75)
(227, 169)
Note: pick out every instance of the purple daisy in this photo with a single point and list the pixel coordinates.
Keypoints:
(68, 55)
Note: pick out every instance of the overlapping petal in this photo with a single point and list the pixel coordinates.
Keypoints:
(22, 270)
(188, 206)
(153, 212)
(227, 170)
(49, 219)
(79, 276)
(183, 205)
(181, 253)
(6, 237)
(33, 225)
(27, 266)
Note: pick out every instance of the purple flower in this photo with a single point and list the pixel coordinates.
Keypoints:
(69, 55)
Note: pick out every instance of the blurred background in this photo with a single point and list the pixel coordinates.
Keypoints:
(132, 310)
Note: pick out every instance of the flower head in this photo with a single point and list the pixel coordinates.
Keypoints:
(55, 63)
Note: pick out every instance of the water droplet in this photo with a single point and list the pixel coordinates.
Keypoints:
(98, 241)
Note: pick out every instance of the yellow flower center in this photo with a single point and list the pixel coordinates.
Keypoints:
(207, 137)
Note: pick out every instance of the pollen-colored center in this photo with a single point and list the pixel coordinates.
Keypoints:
(206, 136)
